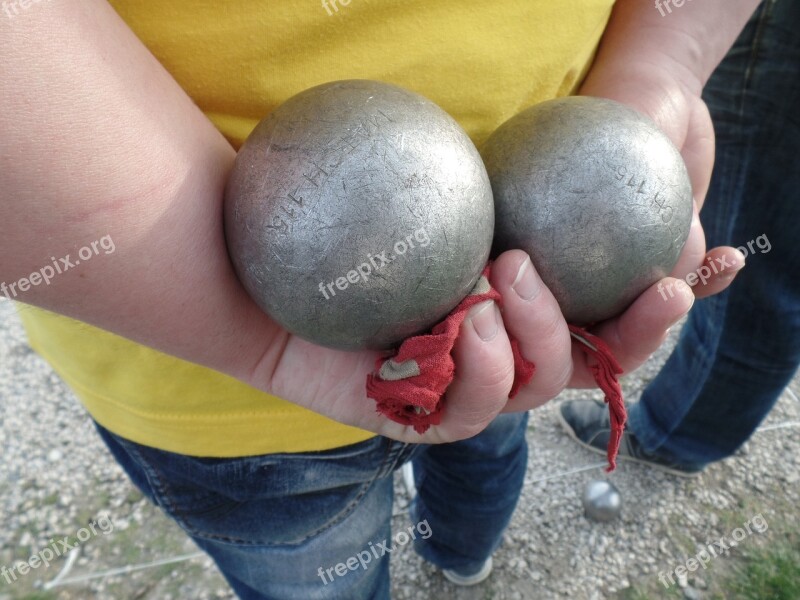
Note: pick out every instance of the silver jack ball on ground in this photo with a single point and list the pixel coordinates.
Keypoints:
(596, 194)
(358, 214)
(601, 501)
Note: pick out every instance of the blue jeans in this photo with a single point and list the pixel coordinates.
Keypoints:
(740, 349)
(317, 525)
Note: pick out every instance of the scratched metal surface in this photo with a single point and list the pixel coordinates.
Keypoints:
(358, 214)
(596, 194)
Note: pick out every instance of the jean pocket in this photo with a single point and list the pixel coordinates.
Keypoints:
(280, 499)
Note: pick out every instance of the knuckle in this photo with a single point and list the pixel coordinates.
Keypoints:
(552, 327)
(494, 380)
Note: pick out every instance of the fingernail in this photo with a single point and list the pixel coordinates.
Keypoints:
(484, 321)
(739, 261)
(527, 284)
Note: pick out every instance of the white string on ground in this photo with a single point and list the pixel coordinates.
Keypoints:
(785, 425)
(122, 570)
(571, 472)
(792, 394)
(71, 558)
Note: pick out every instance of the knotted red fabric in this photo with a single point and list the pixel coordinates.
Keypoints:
(409, 386)
(605, 373)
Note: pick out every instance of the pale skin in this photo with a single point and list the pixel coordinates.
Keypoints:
(97, 139)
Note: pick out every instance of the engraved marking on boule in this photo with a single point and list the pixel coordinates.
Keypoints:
(343, 171)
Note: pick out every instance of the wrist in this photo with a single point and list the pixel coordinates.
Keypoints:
(668, 54)
(655, 93)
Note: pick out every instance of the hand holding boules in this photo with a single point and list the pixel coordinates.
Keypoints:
(673, 101)
(678, 110)
(341, 174)
(331, 382)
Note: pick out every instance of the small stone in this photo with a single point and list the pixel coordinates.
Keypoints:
(689, 593)
(535, 575)
(26, 539)
(682, 581)
(700, 583)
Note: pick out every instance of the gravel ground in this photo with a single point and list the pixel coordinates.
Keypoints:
(56, 480)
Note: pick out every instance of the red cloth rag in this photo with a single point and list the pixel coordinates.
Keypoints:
(409, 386)
(605, 373)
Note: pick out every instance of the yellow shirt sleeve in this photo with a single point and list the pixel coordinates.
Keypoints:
(482, 62)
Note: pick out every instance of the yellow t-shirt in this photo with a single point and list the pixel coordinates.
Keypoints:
(481, 61)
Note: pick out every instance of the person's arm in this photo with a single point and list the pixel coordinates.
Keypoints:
(674, 46)
(657, 59)
(96, 139)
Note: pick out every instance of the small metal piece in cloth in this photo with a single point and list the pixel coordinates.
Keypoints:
(481, 287)
(394, 371)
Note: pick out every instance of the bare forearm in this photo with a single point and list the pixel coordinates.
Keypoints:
(688, 40)
(96, 139)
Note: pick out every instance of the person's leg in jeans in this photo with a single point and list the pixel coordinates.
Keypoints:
(281, 526)
(467, 492)
(317, 525)
(739, 349)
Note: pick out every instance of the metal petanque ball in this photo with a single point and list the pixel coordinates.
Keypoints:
(601, 501)
(596, 194)
(358, 214)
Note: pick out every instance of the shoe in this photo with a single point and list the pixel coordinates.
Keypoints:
(588, 423)
(466, 580)
(407, 471)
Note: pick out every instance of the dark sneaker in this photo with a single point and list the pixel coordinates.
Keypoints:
(588, 423)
